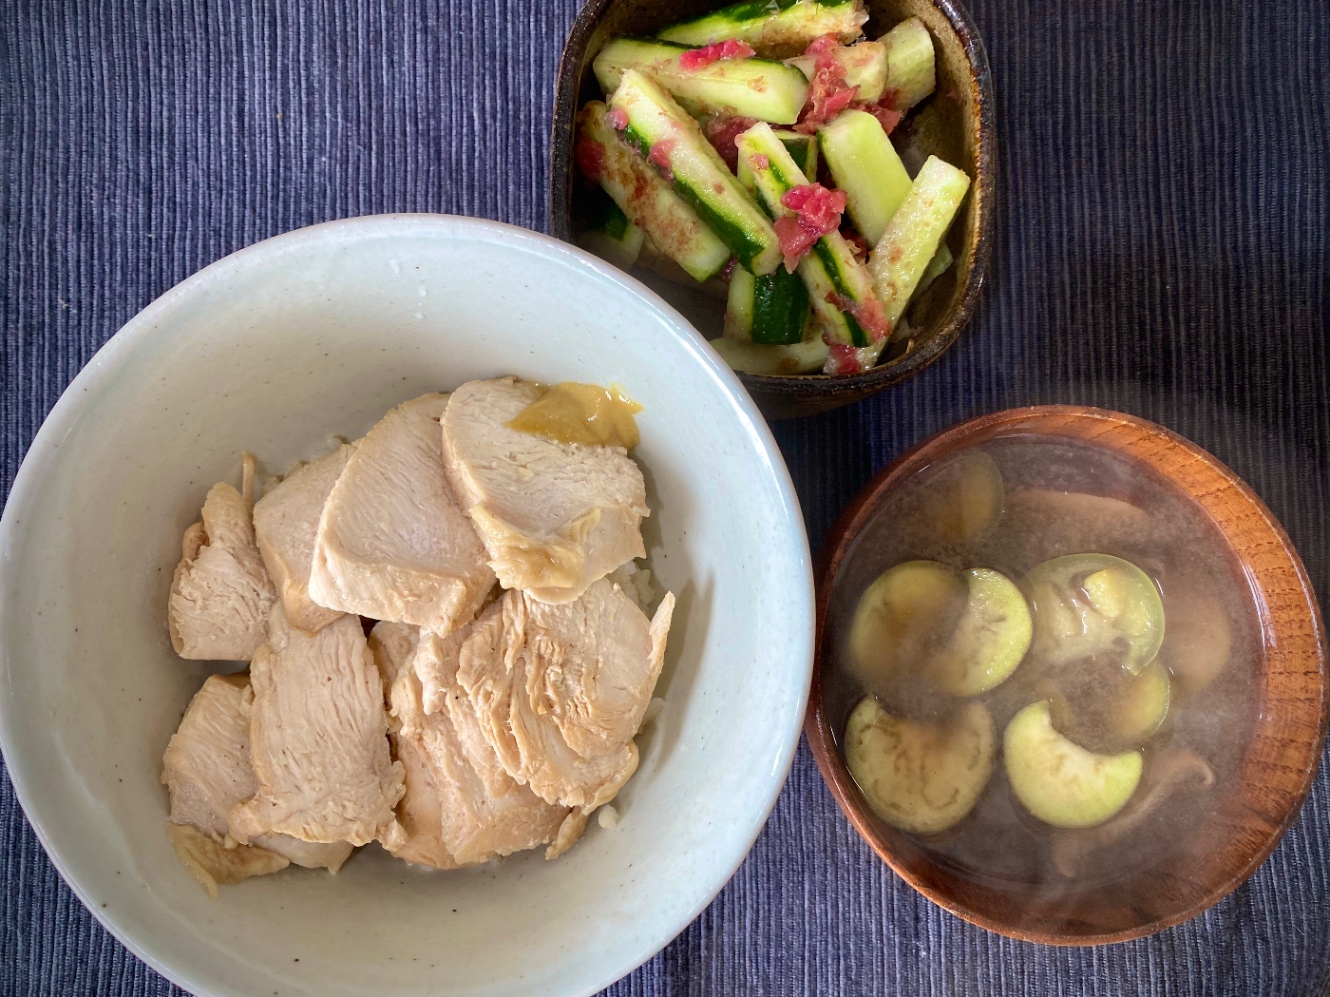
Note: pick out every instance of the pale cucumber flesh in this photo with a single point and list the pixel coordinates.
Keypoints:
(911, 73)
(756, 88)
(831, 269)
(915, 232)
(864, 164)
(864, 65)
(941, 262)
(776, 29)
(656, 123)
(649, 202)
(802, 358)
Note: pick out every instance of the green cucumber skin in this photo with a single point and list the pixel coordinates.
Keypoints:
(771, 310)
(610, 235)
(750, 87)
(802, 149)
(605, 216)
(831, 268)
(777, 28)
(741, 242)
(708, 187)
(741, 13)
(780, 308)
(736, 13)
(650, 203)
(824, 269)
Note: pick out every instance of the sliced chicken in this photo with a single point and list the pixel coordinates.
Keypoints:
(554, 517)
(393, 543)
(220, 595)
(207, 770)
(450, 815)
(214, 864)
(318, 735)
(286, 523)
(436, 663)
(561, 690)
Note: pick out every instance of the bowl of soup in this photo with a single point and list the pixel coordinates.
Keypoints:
(1071, 674)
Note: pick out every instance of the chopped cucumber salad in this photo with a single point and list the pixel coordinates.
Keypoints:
(750, 150)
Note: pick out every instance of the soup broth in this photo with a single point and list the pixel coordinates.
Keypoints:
(1185, 704)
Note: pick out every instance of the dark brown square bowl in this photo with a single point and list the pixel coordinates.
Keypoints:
(955, 124)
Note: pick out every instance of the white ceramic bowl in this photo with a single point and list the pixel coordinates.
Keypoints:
(272, 350)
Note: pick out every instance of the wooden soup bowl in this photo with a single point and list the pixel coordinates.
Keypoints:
(1250, 812)
(955, 123)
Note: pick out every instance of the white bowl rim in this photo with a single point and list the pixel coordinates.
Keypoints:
(67, 410)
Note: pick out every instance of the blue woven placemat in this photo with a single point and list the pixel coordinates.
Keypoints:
(1162, 233)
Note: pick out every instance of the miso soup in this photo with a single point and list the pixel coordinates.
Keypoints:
(1043, 664)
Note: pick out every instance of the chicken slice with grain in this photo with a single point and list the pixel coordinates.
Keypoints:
(286, 523)
(561, 690)
(554, 517)
(393, 543)
(207, 770)
(220, 595)
(450, 815)
(318, 737)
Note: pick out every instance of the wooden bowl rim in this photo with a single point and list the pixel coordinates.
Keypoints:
(1050, 420)
(794, 387)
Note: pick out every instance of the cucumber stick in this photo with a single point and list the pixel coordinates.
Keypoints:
(610, 235)
(864, 64)
(915, 232)
(864, 164)
(652, 260)
(775, 28)
(754, 88)
(937, 266)
(830, 271)
(766, 310)
(670, 138)
(802, 148)
(911, 75)
(806, 357)
(646, 199)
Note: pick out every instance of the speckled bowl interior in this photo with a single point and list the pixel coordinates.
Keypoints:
(273, 350)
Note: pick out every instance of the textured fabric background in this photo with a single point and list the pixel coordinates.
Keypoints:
(1162, 240)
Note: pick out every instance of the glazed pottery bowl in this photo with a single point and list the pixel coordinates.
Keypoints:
(273, 350)
(956, 123)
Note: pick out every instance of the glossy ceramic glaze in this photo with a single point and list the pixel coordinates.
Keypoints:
(1277, 765)
(956, 123)
(273, 350)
